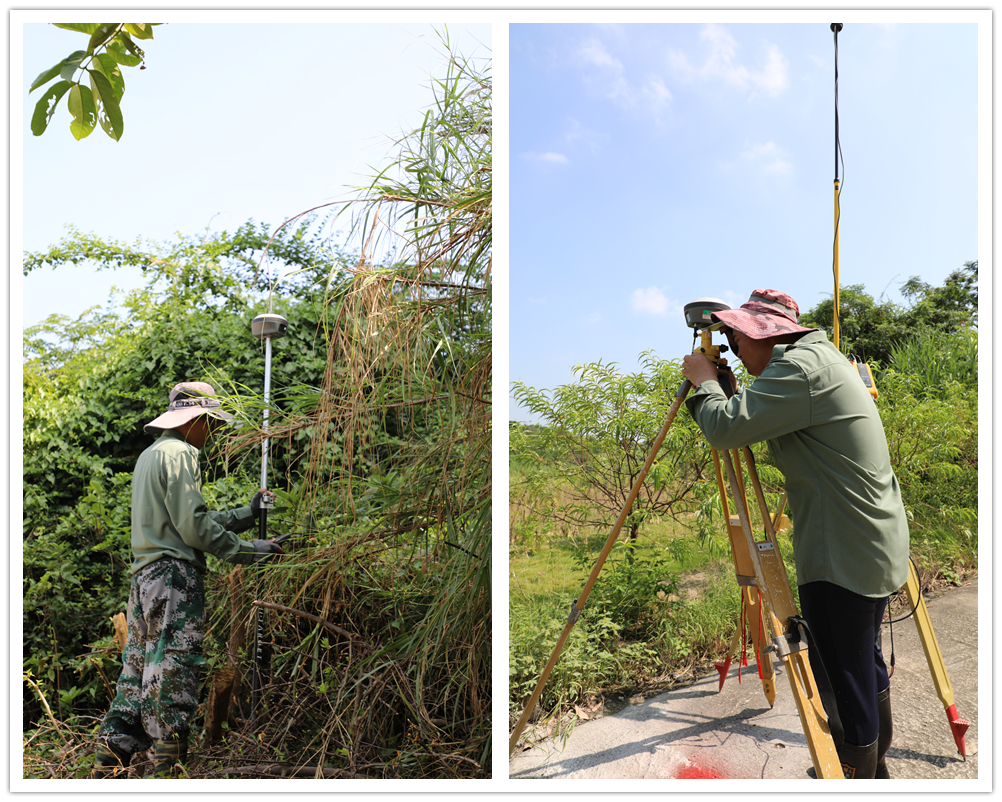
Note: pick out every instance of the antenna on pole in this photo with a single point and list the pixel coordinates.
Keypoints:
(835, 28)
(265, 327)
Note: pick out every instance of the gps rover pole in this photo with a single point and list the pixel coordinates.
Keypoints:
(264, 327)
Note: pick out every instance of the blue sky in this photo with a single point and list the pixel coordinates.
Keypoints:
(237, 116)
(652, 164)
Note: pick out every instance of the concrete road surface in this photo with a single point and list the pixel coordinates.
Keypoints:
(698, 732)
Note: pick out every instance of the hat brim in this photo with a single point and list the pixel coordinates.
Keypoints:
(178, 417)
(758, 325)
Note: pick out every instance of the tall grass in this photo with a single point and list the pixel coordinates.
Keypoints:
(933, 359)
(406, 674)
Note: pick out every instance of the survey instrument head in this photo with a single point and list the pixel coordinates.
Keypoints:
(699, 316)
(267, 326)
(699, 313)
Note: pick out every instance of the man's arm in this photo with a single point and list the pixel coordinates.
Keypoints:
(777, 402)
(237, 520)
(197, 526)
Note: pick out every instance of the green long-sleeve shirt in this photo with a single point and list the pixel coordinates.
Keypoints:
(169, 514)
(826, 436)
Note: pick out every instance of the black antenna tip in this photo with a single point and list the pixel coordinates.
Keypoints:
(836, 27)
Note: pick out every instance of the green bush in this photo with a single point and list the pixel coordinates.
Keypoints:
(634, 590)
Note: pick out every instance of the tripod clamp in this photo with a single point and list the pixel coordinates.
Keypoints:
(788, 643)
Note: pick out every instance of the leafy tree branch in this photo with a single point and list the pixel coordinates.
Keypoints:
(109, 48)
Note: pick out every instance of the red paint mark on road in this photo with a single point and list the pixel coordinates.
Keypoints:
(693, 772)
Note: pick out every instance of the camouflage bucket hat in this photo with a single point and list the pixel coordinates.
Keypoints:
(188, 400)
(768, 313)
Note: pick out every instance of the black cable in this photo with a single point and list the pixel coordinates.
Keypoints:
(919, 599)
(890, 622)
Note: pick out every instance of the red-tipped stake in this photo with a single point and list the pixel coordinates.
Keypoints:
(723, 668)
(958, 726)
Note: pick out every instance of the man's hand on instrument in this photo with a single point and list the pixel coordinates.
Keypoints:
(698, 369)
(265, 548)
(262, 497)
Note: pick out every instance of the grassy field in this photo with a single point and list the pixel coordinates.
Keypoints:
(662, 610)
(653, 620)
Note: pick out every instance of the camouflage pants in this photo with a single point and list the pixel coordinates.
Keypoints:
(158, 688)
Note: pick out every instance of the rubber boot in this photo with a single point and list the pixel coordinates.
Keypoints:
(858, 762)
(167, 754)
(110, 761)
(885, 733)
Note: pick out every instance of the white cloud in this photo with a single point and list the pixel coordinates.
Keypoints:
(594, 318)
(609, 78)
(769, 157)
(734, 300)
(594, 52)
(590, 140)
(650, 301)
(721, 64)
(549, 157)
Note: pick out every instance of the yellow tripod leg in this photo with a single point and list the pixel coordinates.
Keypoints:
(813, 717)
(745, 572)
(759, 630)
(934, 657)
(724, 665)
(578, 606)
(777, 601)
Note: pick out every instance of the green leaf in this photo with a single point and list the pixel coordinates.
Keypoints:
(110, 70)
(123, 51)
(141, 30)
(45, 77)
(69, 65)
(101, 35)
(81, 105)
(46, 107)
(83, 27)
(106, 103)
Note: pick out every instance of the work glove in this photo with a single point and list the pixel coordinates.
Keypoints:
(265, 548)
(261, 498)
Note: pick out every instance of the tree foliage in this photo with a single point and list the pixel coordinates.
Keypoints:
(89, 385)
(110, 47)
(871, 328)
(597, 434)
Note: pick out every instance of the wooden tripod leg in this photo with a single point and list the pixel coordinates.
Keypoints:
(812, 716)
(744, 570)
(778, 607)
(758, 625)
(934, 657)
(578, 606)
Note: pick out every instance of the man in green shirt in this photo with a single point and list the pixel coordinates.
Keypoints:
(850, 536)
(172, 529)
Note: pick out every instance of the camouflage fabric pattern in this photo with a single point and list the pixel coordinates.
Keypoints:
(158, 688)
(768, 313)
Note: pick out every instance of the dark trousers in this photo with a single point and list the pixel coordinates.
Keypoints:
(846, 629)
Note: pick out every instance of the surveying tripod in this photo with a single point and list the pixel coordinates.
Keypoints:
(766, 595)
(761, 567)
